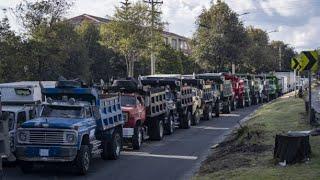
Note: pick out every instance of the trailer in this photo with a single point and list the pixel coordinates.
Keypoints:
(291, 79)
(76, 123)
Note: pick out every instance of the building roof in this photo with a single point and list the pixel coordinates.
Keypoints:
(107, 19)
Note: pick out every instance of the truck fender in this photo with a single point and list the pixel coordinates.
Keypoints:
(84, 140)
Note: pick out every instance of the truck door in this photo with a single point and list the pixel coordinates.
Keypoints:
(141, 108)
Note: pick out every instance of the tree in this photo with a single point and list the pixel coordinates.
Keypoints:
(106, 64)
(257, 57)
(12, 52)
(129, 33)
(46, 13)
(280, 48)
(171, 61)
(220, 38)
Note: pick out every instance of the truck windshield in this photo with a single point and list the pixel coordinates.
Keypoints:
(128, 101)
(11, 120)
(62, 112)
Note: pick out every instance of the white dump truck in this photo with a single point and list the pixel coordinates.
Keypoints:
(20, 101)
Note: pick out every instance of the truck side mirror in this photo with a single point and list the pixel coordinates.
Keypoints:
(96, 112)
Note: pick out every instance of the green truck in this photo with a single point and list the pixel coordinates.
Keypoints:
(275, 89)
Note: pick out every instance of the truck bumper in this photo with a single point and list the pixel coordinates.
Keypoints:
(128, 132)
(46, 153)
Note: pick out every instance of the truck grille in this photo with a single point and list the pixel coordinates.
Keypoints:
(46, 137)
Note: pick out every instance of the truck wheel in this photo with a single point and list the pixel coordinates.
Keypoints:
(157, 130)
(26, 167)
(248, 104)
(186, 121)
(169, 127)
(208, 114)
(137, 138)
(233, 105)
(196, 118)
(227, 108)
(114, 147)
(217, 109)
(82, 160)
(242, 103)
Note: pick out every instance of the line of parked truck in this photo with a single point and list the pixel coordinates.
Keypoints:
(68, 121)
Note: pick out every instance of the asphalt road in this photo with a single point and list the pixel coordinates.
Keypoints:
(175, 157)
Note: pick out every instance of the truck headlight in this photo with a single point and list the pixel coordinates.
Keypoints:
(70, 137)
(23, 136)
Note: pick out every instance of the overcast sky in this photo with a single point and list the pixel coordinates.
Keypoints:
(298, 21)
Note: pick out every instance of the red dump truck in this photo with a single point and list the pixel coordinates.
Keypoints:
(239, 91)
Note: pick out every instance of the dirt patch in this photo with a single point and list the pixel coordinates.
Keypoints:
(236, 151)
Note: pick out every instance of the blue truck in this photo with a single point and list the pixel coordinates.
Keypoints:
(75, 123)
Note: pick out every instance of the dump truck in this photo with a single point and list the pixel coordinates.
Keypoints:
(238, 88)
(144, 109)
(203, 99)
(266, 89)
(275, 90)
(75, 123)
(178, 97)
(224, 95)
(254, 87)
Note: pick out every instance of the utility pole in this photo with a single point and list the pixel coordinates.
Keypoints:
(280, 57)
(154, 4)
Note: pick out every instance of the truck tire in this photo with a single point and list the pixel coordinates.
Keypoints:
(242, 103)
(208, 114)
(186, 121)
(26, 167)
(157, 130)
(249, 103)
(227, 108)
(196, 118)
(233, 105)
(217, 109)
(137, 138)
(170, 126)
(82, 160)
(114, 147)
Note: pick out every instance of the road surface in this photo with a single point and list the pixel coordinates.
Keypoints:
(176, 157)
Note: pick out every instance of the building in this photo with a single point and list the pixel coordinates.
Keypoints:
(176, 41)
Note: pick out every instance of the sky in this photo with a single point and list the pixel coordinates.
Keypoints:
(297, 22)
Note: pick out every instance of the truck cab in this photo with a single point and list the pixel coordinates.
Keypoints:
(20, 100)
(75, 123)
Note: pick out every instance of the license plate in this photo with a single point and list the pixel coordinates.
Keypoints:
(44, 152)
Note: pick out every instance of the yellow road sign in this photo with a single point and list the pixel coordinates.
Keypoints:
(309, 61)
(294, 63)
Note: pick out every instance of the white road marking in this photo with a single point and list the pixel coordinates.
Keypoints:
(145, 154)
(230, 115)
(214, 146)
(210, 128)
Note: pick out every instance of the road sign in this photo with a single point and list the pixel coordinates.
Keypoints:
(295, 65)
(309, 61)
